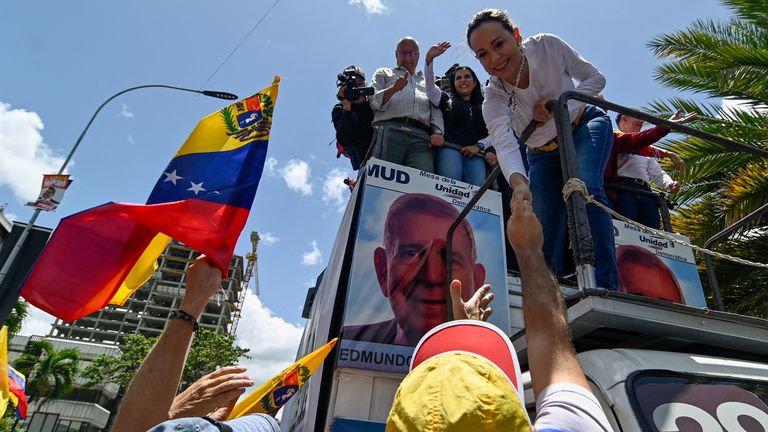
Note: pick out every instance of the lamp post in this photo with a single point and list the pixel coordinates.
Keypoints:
(22, 238)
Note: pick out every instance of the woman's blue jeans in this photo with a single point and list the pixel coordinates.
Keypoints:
(451, 163)
(593, 140)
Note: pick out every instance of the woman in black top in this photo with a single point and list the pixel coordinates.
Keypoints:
(465, 128)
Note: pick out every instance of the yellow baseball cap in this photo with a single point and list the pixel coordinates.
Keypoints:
(464, 377)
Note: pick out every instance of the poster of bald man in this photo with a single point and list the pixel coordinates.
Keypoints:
(397, 284)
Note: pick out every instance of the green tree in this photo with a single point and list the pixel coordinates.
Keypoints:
(50, 373)
(209, 351)
(16, 318)
(723, 59)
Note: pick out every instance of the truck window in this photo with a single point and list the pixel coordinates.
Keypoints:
(670, 401)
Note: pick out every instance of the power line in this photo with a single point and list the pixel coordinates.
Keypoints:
(239, 44)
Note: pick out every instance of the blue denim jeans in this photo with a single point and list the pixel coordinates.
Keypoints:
(593, 140)
(451, 163)
(638, 207)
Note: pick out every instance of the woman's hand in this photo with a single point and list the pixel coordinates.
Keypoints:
(540, 112)
(436, 140)
(491, 158)
(436, 51)
(520, 187)
(470, 151)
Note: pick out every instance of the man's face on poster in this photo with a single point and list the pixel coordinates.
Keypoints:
(48, 193)
(411, 270)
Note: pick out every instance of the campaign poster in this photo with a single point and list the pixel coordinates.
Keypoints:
(655, 267)
(397, 284)
(51, 192)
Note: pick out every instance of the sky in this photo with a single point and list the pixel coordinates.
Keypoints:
(60, 60)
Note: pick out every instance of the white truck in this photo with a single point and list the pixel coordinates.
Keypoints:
(654, 365)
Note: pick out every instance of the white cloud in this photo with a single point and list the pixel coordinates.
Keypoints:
(130, 139)
(272, 340)
(334, 190)
(296, 174)
(38, 323)
(268, 239)
(375, 7)
(312, 257)
(271, 166)
(125, 113)
(25, 157)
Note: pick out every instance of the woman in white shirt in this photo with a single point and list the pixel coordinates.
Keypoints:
(524, 76)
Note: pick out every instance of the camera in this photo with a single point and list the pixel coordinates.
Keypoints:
(348, 79)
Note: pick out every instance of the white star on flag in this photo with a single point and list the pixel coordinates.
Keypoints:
(172, 177)
(196, 187)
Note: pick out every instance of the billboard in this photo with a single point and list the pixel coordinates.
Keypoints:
(396, 287)
(655, 267)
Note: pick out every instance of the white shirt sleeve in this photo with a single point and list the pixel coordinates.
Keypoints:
(590, 80)
(433, 93)
(380, 84)
(497, 117)
(569, 407)
(657, 175)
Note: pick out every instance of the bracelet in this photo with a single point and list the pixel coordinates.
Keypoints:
(181, 314)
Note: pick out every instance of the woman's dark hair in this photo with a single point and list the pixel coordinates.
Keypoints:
(498, 15)
(477, 95)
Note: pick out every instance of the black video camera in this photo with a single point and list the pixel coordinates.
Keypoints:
(348, 79)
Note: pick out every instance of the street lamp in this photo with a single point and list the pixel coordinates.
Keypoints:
(20, 242)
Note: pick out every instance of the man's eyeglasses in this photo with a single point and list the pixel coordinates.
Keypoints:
(408, 53)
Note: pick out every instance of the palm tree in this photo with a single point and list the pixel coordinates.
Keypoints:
(16, 318)
(723, 60)
(50, 373)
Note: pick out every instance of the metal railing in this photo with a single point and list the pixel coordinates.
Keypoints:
(578, 223)
(724, 235)
(659, 197)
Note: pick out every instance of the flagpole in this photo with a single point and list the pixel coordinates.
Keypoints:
(24, 234)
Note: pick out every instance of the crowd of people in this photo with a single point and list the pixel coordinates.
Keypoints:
(464, 373)
(461, 132)
(458, 131)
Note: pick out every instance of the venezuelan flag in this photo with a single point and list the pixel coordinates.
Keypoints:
(17, 384)
(202, 199)
(276, 392)
(4, 389)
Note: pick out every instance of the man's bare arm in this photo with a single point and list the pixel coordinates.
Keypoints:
(551, 356)
(150, 394)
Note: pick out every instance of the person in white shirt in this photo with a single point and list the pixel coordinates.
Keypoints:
(412, 126)
(637, 172)
(524, 76)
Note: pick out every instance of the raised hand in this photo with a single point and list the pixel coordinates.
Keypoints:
(678, 117)
(400, 83)
(203, 280)
(523, 227)
(475, 308)
(213, 395)
(436, 51)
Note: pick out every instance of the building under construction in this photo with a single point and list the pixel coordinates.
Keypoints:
(147, 311)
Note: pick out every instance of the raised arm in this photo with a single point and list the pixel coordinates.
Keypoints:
(434, 94)
(497, 118)
(150, 394)
(385, 90)
(550, 352)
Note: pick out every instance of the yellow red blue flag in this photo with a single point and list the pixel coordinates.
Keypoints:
(4, 391)
(273, 394)
(202, 199)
